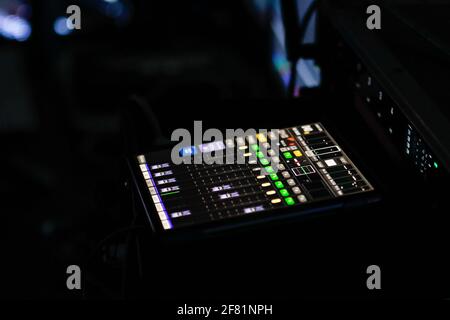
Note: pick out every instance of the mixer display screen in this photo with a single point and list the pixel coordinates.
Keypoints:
(291, 168)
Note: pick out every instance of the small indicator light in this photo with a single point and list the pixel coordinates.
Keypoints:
(287, 155)
(269, 169)
(289, 201)
(273, 176)
(435, 165)
(279, 185)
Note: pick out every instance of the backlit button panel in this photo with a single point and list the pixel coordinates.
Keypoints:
(293, 167)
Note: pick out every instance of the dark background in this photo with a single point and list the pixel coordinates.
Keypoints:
(67, 123)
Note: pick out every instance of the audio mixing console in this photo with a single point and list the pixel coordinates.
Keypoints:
(303, 165)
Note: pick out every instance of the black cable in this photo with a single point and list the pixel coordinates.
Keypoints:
(103, 242)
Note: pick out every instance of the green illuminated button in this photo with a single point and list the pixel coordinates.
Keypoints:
(289, 201)
(284, 192)
(260, 155)
(435, 165)
(264, 161)
(273, 176)
(269, 169)
(254, 147)
(287, 155)
(279, 185)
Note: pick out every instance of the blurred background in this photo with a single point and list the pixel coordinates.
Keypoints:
(61, 92)
(65, 104)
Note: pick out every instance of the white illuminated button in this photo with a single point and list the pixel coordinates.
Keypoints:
(260, 177)
(143, 167)
(152, 190)
(146, 175)
(281, 167)
(159, 207)
(296, 190)
(243, 147)
(291, 182)
(302, 198)
(252, 161)
(248, 154)
(330, 162)
(266, 184)
(271, 152)
(277, 200)
(286, 174)
(276, 159)
(149, 183)
(271, 192)
(162, 215)
(166, 225)
(307, 129)
(141, 159)
(155, 199)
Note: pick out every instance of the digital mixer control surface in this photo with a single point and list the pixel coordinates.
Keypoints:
(285, 168)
